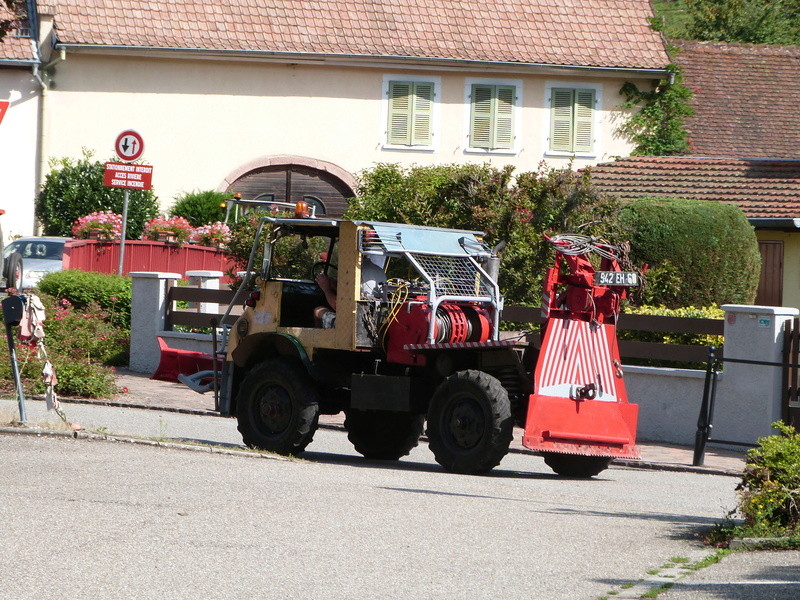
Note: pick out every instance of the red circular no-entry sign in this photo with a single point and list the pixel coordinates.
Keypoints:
(129, 145)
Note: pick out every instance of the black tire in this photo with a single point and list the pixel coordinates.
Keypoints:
(13, 271)
(469, 423)
(571, 465)
(277, 407)
(383, 434)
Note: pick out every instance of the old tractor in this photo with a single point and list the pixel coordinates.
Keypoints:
(420, 343)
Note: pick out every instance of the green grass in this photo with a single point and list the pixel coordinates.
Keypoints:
(653, 593)
(674, 15)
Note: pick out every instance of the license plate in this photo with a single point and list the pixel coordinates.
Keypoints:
(616, 278)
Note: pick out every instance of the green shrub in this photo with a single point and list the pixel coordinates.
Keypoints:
(74, 189)
(481, 197)
(201, 207)
(81, 344)
(701, 253)
(111, 293)
(769, 493)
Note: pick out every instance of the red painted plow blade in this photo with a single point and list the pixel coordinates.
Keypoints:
(580, 405)
(579, 416)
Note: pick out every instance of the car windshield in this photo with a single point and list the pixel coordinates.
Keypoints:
(42, 249)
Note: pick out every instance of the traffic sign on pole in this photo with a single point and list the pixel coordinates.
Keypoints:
(4, 104)
(124, 175)
(129, 145)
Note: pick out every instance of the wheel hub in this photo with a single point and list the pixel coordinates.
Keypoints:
(466, 423)
(275, 409)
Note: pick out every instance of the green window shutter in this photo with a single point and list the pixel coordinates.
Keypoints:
(504, 117)
(400, 107)
(481, 121)
(561, 103)
(584, 120)
(492, 117)
(422, 114)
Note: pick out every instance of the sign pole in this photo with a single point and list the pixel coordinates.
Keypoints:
(125, 195)
(129, 146)
(13, 309)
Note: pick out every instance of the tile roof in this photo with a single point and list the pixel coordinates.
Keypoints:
(14, 48)
(763, 189)
(597, 33)
(746, 101)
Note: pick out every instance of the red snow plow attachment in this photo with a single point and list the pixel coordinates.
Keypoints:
(579, 416)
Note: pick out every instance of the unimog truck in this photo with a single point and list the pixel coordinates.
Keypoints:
(419, 346)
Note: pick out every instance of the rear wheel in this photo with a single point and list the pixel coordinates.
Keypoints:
(278, 407)
(14, 271)
(571, 465)
(383, 434)
(469, 423)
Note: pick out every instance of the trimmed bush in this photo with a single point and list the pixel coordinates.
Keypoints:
(111, 293)
(201, 207)
(701, 253)
(74, 189)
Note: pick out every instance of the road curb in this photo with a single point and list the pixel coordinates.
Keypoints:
(101, 437)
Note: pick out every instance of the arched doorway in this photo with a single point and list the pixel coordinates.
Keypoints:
(291, 179)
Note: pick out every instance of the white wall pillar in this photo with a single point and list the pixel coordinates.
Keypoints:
(206, 280)
(749, 396)
(148, 313)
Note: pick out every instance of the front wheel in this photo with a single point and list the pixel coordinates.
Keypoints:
(572, 465)
(278, 407)
(469, 423)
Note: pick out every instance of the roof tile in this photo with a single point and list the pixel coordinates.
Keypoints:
(598, 33)
(762, 188)
(745, 101)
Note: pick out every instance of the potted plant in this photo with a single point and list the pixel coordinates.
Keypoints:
(175, 230)
(215, 234)
(100, 225)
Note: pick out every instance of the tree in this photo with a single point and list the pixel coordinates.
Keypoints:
(745, 21)
(201, 207)
(657, 128)
(74, 189)
(479, 197)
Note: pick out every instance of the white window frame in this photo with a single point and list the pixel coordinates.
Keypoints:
(435, 113)
(596, 131)
(517, 116)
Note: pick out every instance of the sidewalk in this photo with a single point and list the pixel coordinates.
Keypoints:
(144, 392)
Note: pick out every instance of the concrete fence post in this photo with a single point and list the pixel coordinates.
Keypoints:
(148, 314)
(749, 396)
(207, 280)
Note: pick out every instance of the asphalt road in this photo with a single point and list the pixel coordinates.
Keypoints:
(95, 519)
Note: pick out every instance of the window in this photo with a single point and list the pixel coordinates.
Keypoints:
(491, 124)
(572, 119)
(410, 113)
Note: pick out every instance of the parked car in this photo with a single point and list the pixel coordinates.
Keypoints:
(38, 255)
(10, 265)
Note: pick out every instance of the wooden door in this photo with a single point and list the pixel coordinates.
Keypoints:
(770, 284)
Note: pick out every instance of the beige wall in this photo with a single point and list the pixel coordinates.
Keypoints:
(18, 142)
(201, 120)
(791, 263)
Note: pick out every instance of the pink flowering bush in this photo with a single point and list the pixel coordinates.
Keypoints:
(215, 234)
(178, 227)
(106, 224)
